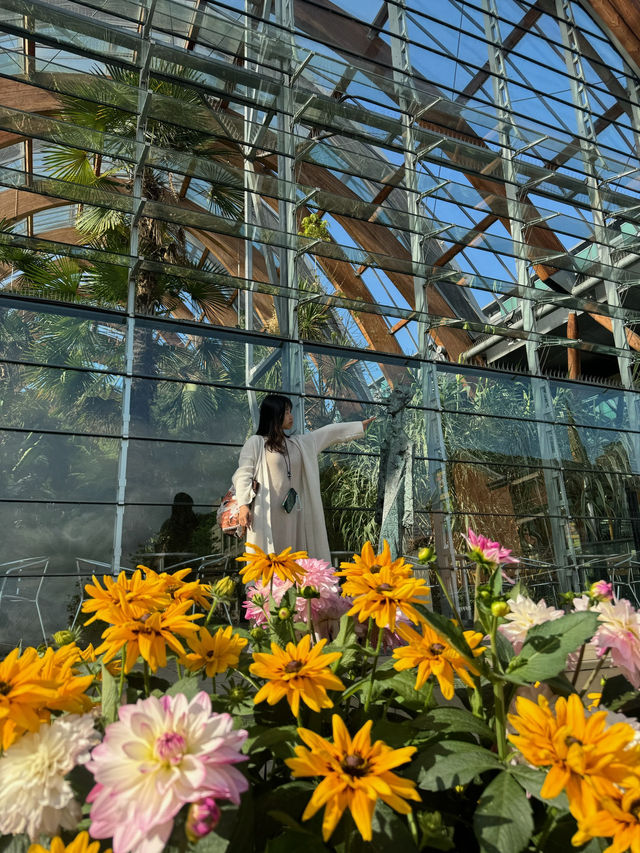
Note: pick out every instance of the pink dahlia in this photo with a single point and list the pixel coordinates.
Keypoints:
(619, 632)
(260, 598)
(487, 553)
(161, 754)
(320, 575)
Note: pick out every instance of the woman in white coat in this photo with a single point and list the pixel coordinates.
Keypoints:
(287, 508)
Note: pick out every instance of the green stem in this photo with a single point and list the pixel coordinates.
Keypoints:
(248, 679)
(213, 685)
(547, 829)
(214, 604)
(413, 826)
(595, 672)
(454, 609)
(145, 672)
(429, 696)
(310, 627)
(178, 669)
(373, 670)
(121, 684)
(500, 711)
(574, 680)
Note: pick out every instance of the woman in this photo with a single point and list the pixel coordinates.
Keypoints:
(287, 508)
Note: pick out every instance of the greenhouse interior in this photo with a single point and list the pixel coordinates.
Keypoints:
(426, 213)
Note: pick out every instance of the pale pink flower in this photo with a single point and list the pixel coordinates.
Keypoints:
(491, 554)
(261, 597)
(320, 575)
(36, 797)
(582, 602)
(161, 754)
(602, 590)
(619, 632)
(523, 615)
(326, 612)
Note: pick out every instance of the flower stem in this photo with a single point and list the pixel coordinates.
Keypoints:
(121, 684)
(574, 680)
(214, 604)
(373, 670)
(413, 826)
(310, 627)
(213, 685)
(595, 672)
(547, 829)
(454, 609)
(178, 669)
(248, 679)
(145, 671)
(500, 712)
(429, 696)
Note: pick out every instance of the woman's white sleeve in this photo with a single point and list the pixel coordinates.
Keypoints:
(245, 472)
(335, 433)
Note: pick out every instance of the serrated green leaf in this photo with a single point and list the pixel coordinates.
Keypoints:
(503, 821)
(444, 765)
(532, 780)
(189, 686)
(110, 696)
(545, 650)
(450, 719)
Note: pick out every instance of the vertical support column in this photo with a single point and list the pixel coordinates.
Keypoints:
(440, 498)
(143, 60)
(590, 156)
(550, 455)
(287, 307)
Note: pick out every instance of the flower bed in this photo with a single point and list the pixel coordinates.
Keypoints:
(348, 717)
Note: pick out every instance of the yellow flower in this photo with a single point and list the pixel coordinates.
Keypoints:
(586, 757)
(356, 773)
(80, 844)
(299, 672)
(369, 561)
(263, 567)
(178, 588)
(139, 593)
(596, 698)
(149, 635)
(617, 818)
(433, 655)
(32, 686)
(215, 653)
(382, 594)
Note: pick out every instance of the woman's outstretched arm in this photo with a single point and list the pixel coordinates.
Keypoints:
(335, 433)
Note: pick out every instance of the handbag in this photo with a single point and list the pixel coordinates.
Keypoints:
(228, 514)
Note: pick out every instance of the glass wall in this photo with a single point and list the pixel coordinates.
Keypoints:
(202, 202)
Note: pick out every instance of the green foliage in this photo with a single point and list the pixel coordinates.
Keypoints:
(503, 821)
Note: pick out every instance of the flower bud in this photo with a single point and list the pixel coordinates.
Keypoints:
(426, 555)
(601, 590)
(257, 599)
(203, 817)
(257, 634)
(64, 638)
(499, 608)
(309, 592)
(237, 694)
(284, 613)
(224, 588)
(484, 594)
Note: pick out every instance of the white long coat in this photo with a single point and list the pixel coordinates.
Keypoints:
(253, 463)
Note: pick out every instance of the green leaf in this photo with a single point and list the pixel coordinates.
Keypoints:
(505, 649)
(495, 583)
(444, 765)
(453, 635)
(390, 834)
(279, 740)
(293, 841)
(189, 686)
(345, 643)
(544, 653)
(110, 696)
(532, 780)
(447, 719)
(559, 840)
(14, 844)
(503, 821)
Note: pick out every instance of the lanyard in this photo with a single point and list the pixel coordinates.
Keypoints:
(285, 453)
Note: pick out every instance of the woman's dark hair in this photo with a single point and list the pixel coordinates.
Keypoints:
(272, 412)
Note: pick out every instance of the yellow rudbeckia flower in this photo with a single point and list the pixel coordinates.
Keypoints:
(214, 652)
(295, 673)
(263, 567)
(80, 844)
(356, 774)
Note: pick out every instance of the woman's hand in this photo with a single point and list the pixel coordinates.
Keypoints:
(367, 423)
(245, 517)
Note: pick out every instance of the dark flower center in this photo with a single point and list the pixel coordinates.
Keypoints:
(294, 666)
(384, 587)
(436, 648)
(354, 765)
(634, 808)
(375, 568)
(569, 741)
(5, 688)
(209, 654)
